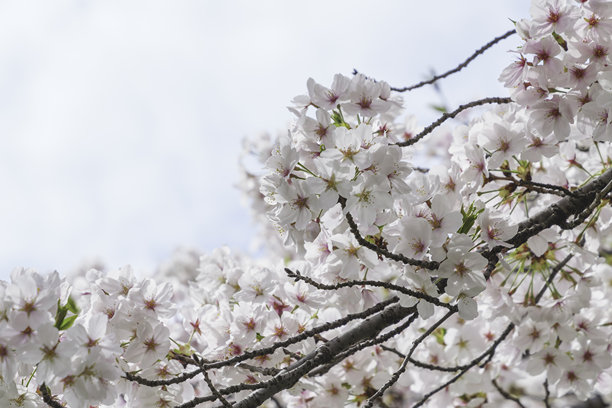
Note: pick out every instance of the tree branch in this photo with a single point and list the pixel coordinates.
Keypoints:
(506, 395)
(396, 375)
(421, 364)
(490, 352)
(223, 391)
(382, 251)
(215, 392)
(368, 343)
(451, 115)
(546, 394)
(582, 201)
(266, 350)
(562, 210)
(325, 353)
(459, 67)
(387, 285)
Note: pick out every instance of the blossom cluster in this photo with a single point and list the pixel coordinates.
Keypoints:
(82, 339)
(480, 281)
(78, 343)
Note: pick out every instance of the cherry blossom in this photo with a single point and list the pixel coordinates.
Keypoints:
(480, 278)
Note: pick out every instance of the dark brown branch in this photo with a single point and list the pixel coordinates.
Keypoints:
(533, 186)
(324, 353)
(260, 370)
(368, 343)
(186, 360)
(393, 350)
(546, 394)
(215, 392)
(507, 395)
(421, 364)
(266, 350)
(581, 202)
(156, 383)
(582, 216)
(562, 210)
(223, 391)
(490, 352)
(396, 375)
(459, 67)
(382, 251)
(387, 285)
(545, 188)
(451, 115)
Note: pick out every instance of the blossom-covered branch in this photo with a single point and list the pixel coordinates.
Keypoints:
(473, 280)
(450, 115)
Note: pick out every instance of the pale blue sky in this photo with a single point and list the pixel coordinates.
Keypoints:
(121, 121)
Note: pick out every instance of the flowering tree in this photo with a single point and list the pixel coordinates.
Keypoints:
(482, 280)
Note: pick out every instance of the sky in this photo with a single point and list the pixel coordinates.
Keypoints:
(121, 121)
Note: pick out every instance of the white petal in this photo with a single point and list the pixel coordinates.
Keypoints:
(468, 309)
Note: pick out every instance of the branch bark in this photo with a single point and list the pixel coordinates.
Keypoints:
(556, 214)
(325, 353)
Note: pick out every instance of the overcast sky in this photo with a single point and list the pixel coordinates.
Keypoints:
(121, 121)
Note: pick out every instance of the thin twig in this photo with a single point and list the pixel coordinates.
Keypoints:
(266, 350)
(216, 393)
(431, 265)
(223, 391)
(579, 219)
(325, 353)
(421, 364)
(396, 375)
(532, 184)
(387, 285)
(451, 115)
(459, 67)
(506, 395)
(547, 394)
(490, 352)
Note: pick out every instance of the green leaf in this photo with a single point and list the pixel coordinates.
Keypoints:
(60, 315)
(72, 306)
(184, 349)
(439, 108)
(439, 335)
(61, 321)
(68, 322)
(469, 218)
(560, 40)
(338, 118)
